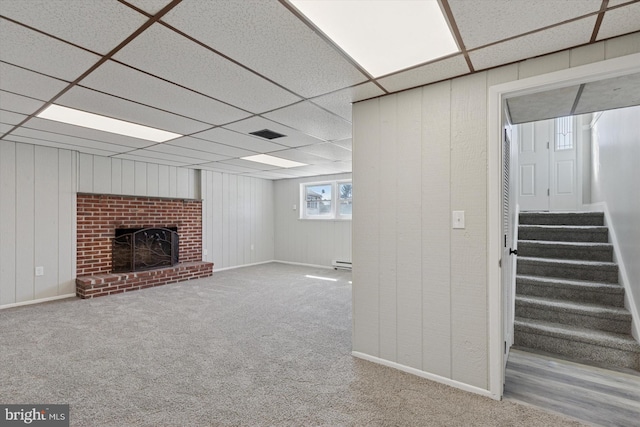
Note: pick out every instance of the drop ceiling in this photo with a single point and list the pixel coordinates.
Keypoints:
(215, 71)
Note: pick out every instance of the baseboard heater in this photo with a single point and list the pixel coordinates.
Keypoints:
(341, 264)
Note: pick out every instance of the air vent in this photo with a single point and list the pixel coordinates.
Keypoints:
(268, 134)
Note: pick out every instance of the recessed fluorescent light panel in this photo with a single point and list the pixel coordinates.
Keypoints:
(106, 124)
(273, 161)
(383, 36)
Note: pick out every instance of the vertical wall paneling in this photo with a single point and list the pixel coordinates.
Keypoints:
(228, 228)
(128, 177)
(66, 243)
(46, 222)
(85, 181)
(409, 232)
(182, 180)
(436, 227)
(7, 222)
(102, 175)
(163, 180)
(388, 197)
(116, 176)
(152, 180)
(468, 246)
(217, 209)
(366, 256)
(225, 220)
(140, 170)
(173, 181)
(25, 182)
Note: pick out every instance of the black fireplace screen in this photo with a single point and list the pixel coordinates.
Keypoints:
(144, 249)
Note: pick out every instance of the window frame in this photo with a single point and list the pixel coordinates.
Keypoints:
(334, 213)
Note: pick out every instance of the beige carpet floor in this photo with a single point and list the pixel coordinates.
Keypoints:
(257, 346)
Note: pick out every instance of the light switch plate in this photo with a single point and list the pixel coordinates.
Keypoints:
(458, 219)
(39, 271)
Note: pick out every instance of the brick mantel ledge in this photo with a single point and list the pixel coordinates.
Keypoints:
(115, 283)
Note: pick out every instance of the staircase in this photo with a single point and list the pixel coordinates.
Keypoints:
(568, 298)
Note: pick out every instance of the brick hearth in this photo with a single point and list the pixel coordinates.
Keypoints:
(98, 216)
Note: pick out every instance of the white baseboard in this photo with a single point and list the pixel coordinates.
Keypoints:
(304, 264)
(36, 301)
(241, 266)
(426, 375)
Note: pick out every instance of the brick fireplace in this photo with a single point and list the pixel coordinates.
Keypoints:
(98, 217)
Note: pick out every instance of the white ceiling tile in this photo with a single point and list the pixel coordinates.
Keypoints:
(25, 82)
(85, 133)
(150, 6)
(542, 105)
(18, 104)
(163, 52)
(613, 3)
(620, 21)
(328, 151)
(240, 140)
(223, 167)
(293, 137)
(264, 36)
(131, 84)
(607, 94)
(210, 147)
(48, 143)
(4, 128)
(96, 25)
(340, 102)
(554, 39)
(420, 76)
(251, 165)
(110, 106)
(512, 18)
(345, 143)
(312, 120)
(297, 155)
(144, 157)
(71, 141)
(196, 155)
(37, 52)
(9, 117)
(268, 175)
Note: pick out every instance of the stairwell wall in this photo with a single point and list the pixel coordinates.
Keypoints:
(615, 176)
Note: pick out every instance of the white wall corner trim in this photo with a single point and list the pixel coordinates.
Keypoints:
(426, 375)
(496, 95)
(37, 301)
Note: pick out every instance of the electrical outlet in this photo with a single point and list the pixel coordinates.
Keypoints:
(205, 252)
(252, 247)
(39, 271)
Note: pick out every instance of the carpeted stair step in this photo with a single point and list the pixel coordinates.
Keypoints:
(599, 347)
(592, 316)
(586, 251)
(596, 271)
(574, 290)
(562, 218)
(564, 233)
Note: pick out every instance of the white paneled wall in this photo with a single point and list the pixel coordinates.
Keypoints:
(37, 222)
(238, 219)
(107, 175)
(315, 242)
(420, 287)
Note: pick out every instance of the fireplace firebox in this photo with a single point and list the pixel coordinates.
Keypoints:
(138, 249)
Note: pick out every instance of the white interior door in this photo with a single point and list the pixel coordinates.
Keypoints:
(508, 231)
(563, 179)
(533, 165)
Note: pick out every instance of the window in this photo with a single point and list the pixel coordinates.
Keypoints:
(564, 133)
(326, 200)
